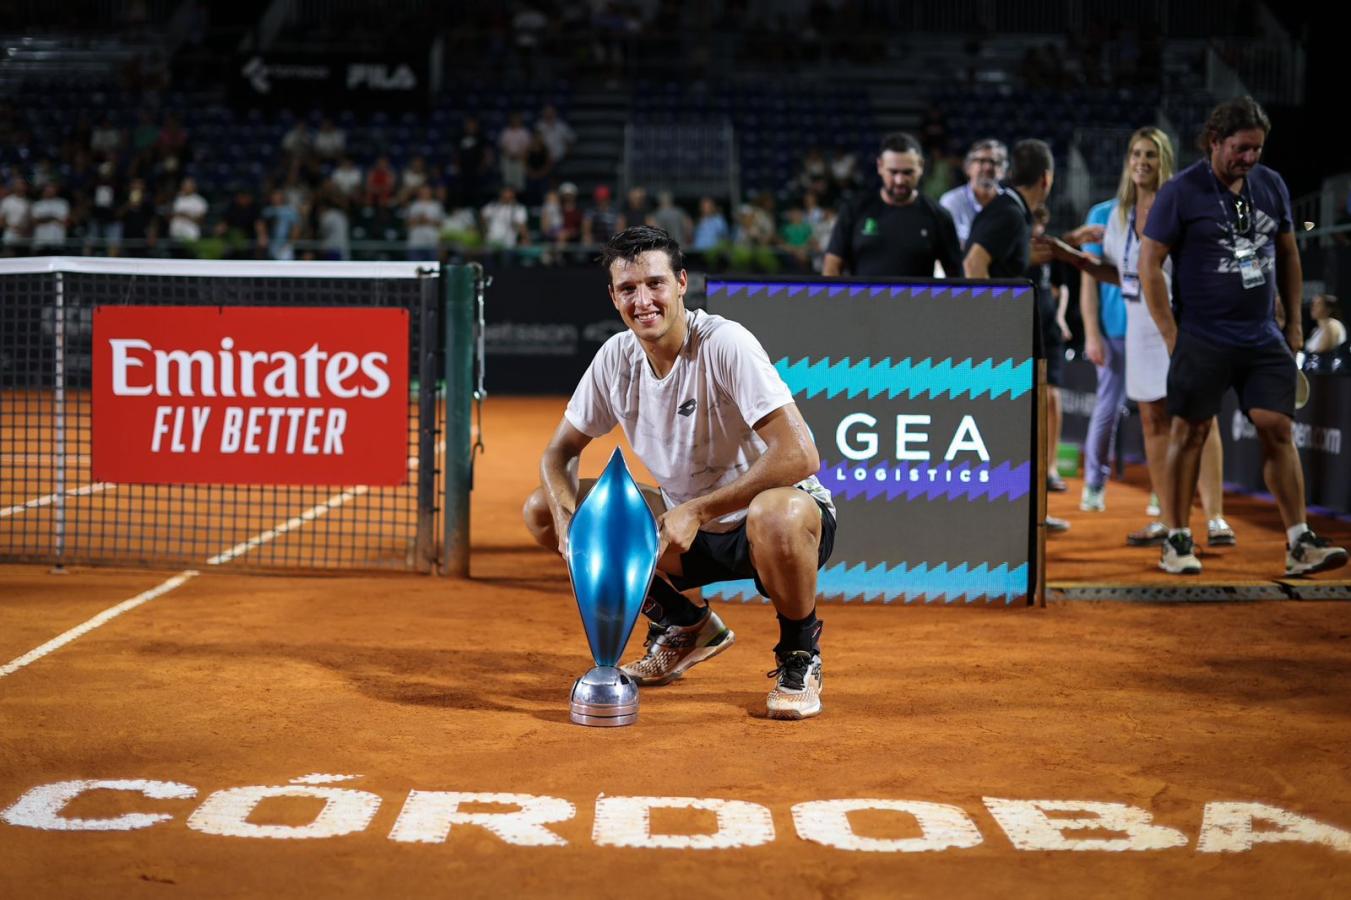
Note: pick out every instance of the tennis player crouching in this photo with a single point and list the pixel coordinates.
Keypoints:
(714, 423)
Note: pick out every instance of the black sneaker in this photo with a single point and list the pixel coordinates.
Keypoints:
(1311, 554)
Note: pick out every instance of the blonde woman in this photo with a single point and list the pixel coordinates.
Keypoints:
(1150, 162)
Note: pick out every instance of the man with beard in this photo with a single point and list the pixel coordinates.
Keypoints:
(986, 163)
(1226, 223)
(711, 419)
(896, 232)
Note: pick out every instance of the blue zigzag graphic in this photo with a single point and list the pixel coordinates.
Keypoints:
(904, 583)
(905, 378)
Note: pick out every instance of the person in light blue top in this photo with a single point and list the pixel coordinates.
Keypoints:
(282, 222)
(1104, 317)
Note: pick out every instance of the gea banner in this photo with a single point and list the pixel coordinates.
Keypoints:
(249, 395)
(921, 396)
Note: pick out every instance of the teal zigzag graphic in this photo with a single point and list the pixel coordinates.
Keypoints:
(906, 583)
(906, 377)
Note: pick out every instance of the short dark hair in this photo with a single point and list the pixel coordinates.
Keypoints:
(1231, 117)
(1030, 160)
(900, 142)
(632, 243)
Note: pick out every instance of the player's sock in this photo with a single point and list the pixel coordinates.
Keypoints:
(798, 634)
(666, 606)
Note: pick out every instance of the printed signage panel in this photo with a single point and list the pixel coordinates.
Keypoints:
(921, 397)
(249, 395)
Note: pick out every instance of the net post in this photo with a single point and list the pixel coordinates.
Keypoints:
(462, 290)
(429, 302)
(59, 436)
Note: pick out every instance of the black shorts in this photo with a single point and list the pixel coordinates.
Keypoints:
(727, 556)
(1200, 372)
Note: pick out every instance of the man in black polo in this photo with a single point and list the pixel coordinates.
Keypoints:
(1001, 246)
(896, 232)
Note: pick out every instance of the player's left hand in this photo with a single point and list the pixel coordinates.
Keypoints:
(677, 529)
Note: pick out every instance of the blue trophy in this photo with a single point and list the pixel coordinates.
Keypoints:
(612, 557)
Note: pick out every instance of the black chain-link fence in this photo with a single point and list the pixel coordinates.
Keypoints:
(53, 511)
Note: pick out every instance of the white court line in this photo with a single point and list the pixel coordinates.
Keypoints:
(49, 499)
(102, 618)
(308, 515)
(107, 615)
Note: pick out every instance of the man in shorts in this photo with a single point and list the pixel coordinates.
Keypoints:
(706, 412)
(1227, 224)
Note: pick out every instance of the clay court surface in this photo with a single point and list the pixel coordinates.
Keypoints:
(411, 683)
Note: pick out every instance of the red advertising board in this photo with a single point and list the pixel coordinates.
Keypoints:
(250, 395)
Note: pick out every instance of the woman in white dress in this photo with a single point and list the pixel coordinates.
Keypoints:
(1149, 163)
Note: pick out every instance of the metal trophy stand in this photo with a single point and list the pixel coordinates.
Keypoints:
(612, 557)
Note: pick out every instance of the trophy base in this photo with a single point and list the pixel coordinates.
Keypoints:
(605, 697)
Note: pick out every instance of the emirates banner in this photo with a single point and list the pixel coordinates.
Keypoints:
(250, 395)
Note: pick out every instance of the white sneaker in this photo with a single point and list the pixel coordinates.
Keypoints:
(1179, 556)
(1311, 554)
(1093, 499)
(1219, 534)
(797, 692)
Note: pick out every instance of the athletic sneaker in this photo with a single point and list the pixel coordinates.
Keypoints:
(673, 649)
(1093, 499)
(1056, 526)
(1311, 554)
(1055, 484)
(1219, 534)
(1179, 556)
(1152, 510)
(1152, 535)
(797, 693)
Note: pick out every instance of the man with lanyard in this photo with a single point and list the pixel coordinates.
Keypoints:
(1226, 223)
(986, 163)
(896, 232)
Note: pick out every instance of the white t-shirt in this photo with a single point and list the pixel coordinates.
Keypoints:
(514, 141)
(189, 210)
(502, 223)
(558, 137)
(724, 382)
(14, 212)
(346, 179)
(330, 142)
(50, 232)
(425, 235)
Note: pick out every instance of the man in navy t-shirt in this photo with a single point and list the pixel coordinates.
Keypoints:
(1226, 223)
